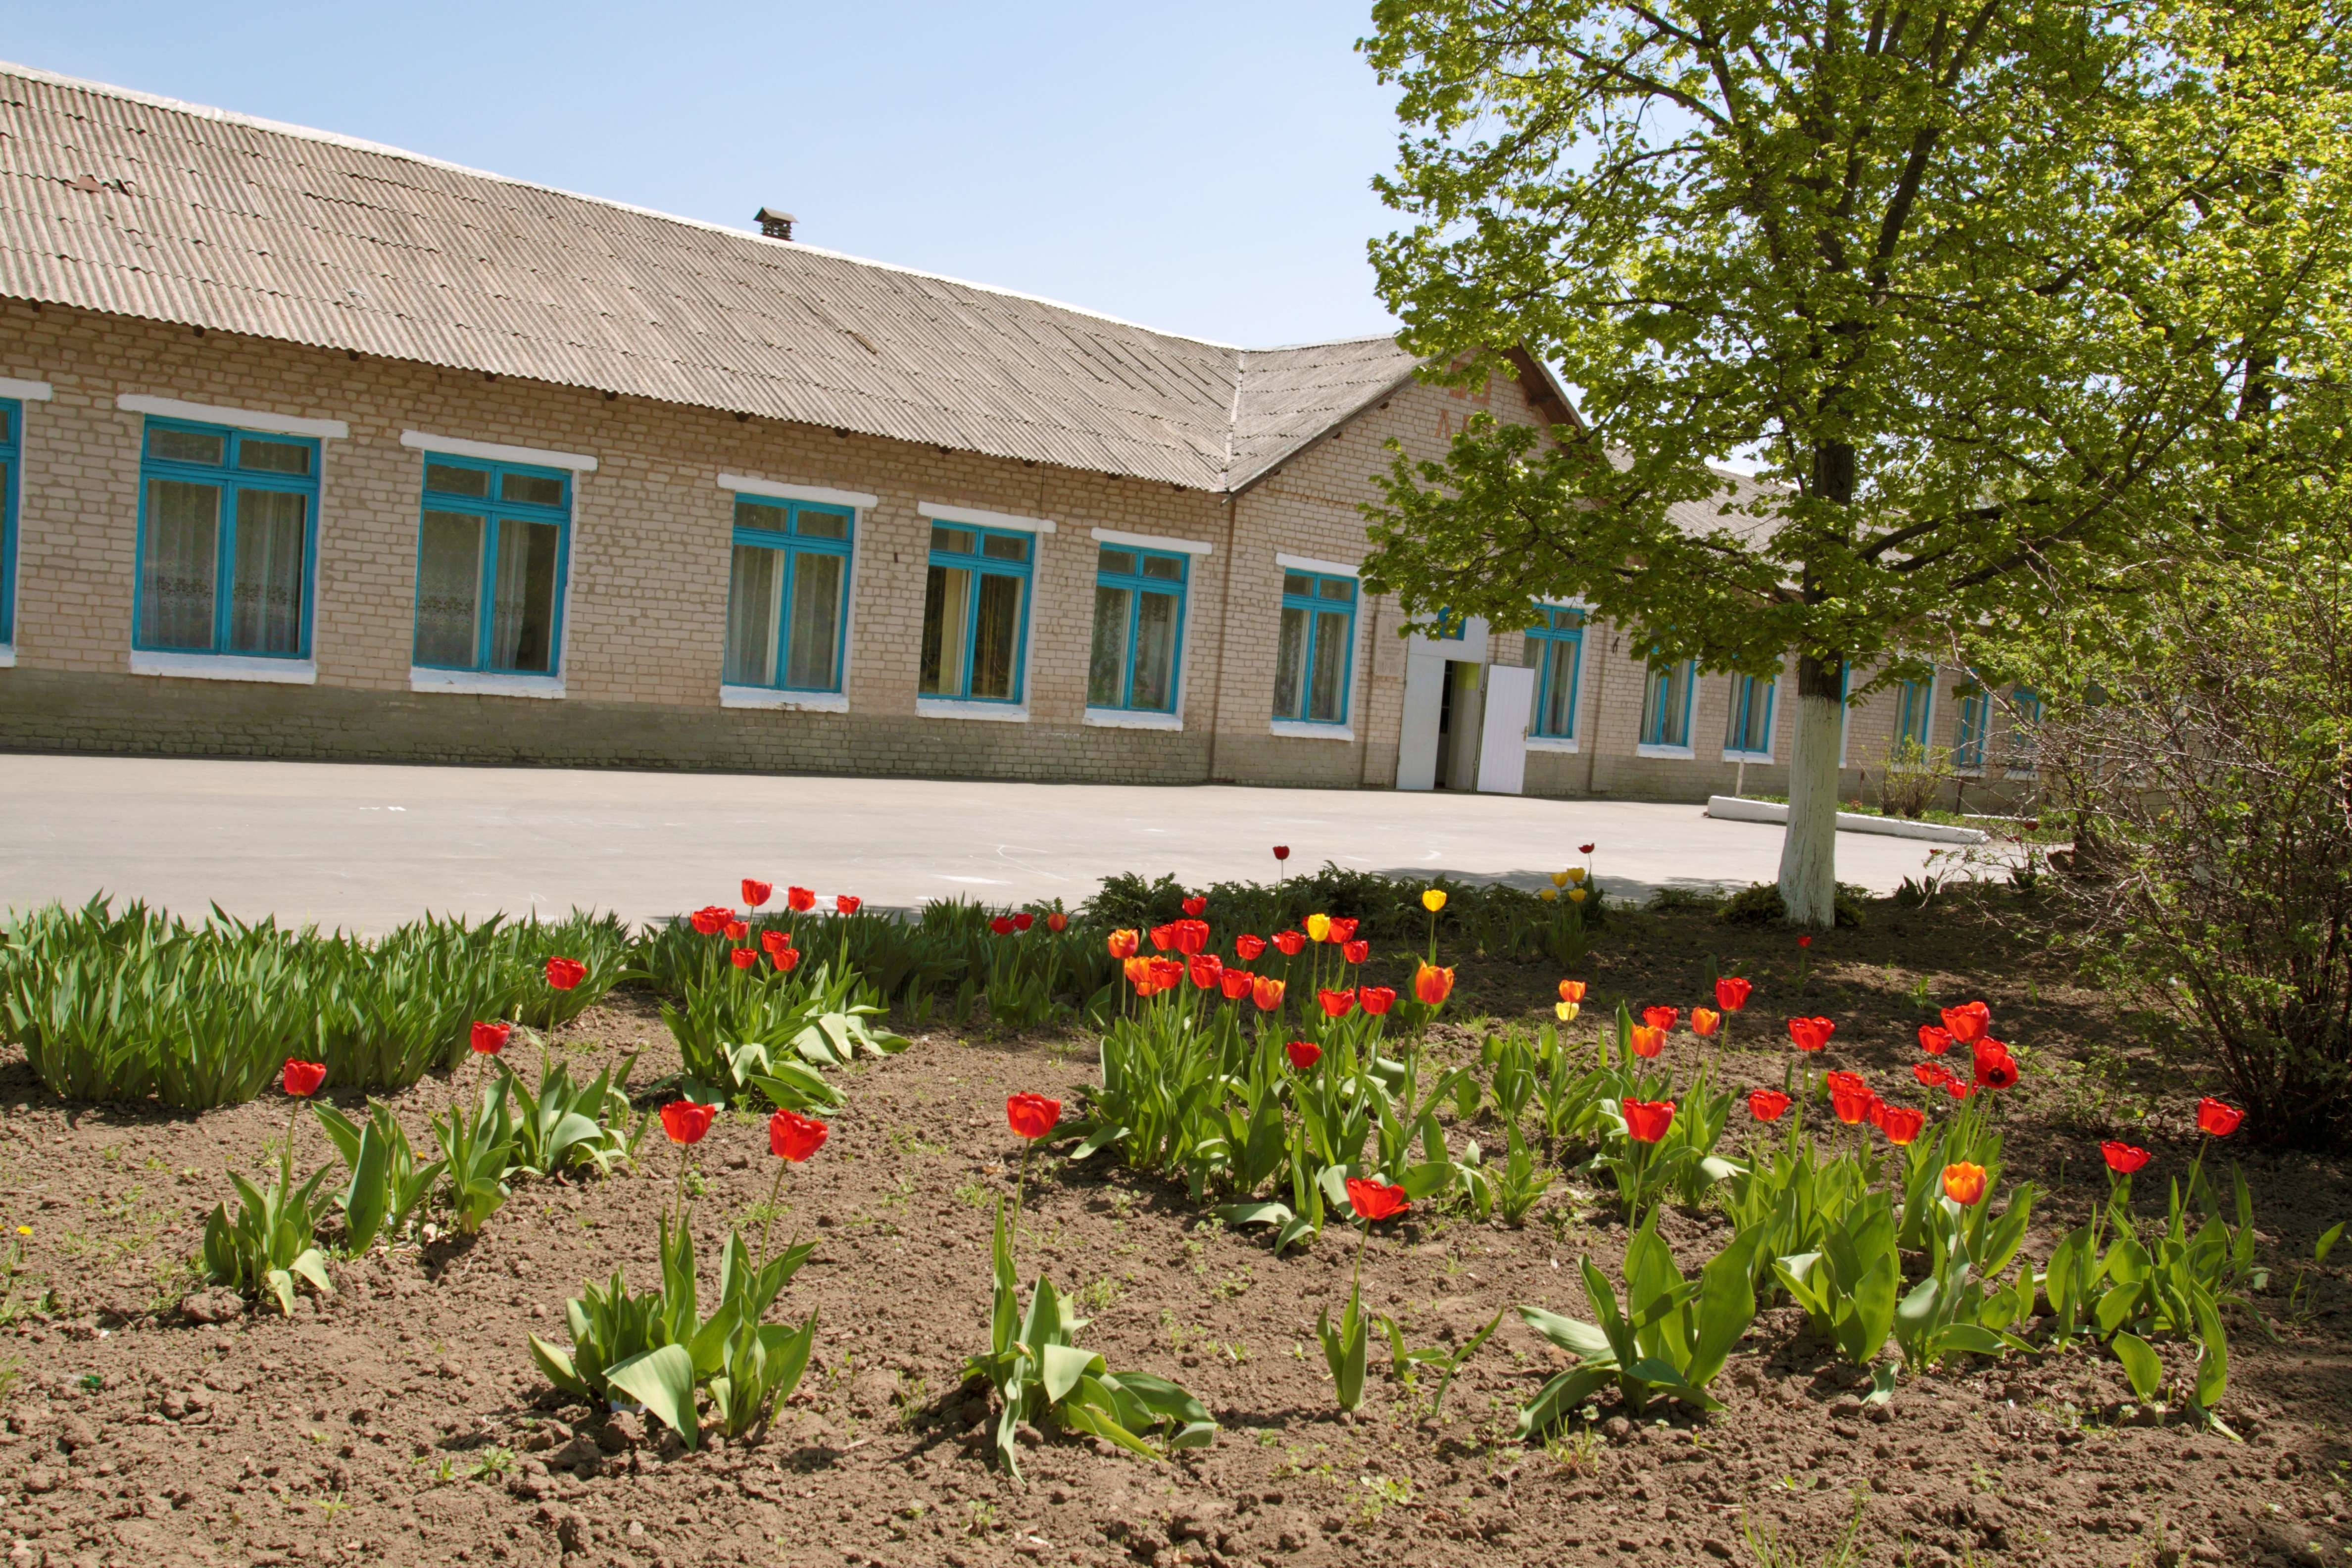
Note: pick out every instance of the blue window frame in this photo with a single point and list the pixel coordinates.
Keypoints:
(1313, 659)
(2025, 720)
(1748, 731)
(1915, 703)
(1138, 628)
(976, 613)
(12, 445)
(1556, 653)
(788, 594)
(1968, 728)
(491, 554)
(227, 528)
(1666, 705)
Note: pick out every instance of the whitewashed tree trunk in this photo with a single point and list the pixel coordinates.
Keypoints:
(1808, 853)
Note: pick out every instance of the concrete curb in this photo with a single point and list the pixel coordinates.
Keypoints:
(1734, 809)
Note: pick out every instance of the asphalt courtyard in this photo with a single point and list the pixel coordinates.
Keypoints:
(367, 847)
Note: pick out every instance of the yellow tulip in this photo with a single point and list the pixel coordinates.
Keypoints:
(1576, 873)
(1567, 1011)
(1319, 927)
(1561, 879)
(1433, 900)
(1548, 896)
(1576, 895)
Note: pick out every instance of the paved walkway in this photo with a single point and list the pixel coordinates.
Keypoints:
(368, 847)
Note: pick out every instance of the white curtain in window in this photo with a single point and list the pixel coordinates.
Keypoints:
(265, 596)
(179, 565)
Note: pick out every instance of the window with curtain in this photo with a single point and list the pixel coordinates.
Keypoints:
(1749, 733)
(1666, 705)
(12, 443)
(788, 594)
(1915, 700)
(1314, 660)
(1555, 652)
(975, 612)
(2025, 709)
(228, 521)
(1968, 728)
(491, 557)
(1138, 628)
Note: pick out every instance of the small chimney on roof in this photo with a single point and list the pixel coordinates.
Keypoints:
(775, 225)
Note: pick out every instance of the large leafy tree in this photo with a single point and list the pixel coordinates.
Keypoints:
(2004, 298)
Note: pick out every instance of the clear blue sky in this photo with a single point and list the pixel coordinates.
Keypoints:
(1203, 168)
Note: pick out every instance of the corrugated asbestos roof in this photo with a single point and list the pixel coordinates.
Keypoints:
(117, 201)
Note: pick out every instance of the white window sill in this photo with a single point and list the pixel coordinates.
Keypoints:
(226, 667)
(1125, 719)
(791, 702)
(956, 708)
(1553, 744)
(1967, 773)
(484, 683)
(2017, 772)
(7, 656)
(1762, 759)
(1291, 729)
(1675, 753)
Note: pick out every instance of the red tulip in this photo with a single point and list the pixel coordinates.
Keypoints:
(2122, 1158)
(1705, 1021)
(1933, 1040)
(1661, 1018)
(1290, 942)
(1139, 974)
(1032, 1115)
(1247, 947)
(1303, 1054)
(1572, 991)
(1964, 1184)
(744, 957)
(785, 959)
(1902, 1124)
(1206, 969)
(1375, 1201)
(847, 903)
(1023, 921)
(1810, 1034)
(1336, 1004)
(1804, 942)
(1767, 1104)
(1282, 851)
(1996, 1071)
(757, 893)
(685, 1121)
(1342, 931)
(1959, 1088)
(1195, 908)
(1837, 1078)
(1432, 985)
(710, 919)
(1969, 1023)
(1167, 973)
(735, 930)
(1731, 993)
(1002, 925)
(1266, 992)
(1235, 982)
(1648, 1041)
(1850, 1103)
(795, 1138)
(2216, 1118)
(775, 940)
(1376, 999)
(1931, 1075)
(1355, 951)
(490, 1039)
(1164, 937)
(1584, 850)
(801, 899)
(563, 974)
(1646, 1120)
(302, 1079)
(1191, 936)
(1057, 922)
(1123, 944)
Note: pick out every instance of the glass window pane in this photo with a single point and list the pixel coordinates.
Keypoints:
(449, 590)
(1676, 715)
(523, 597)
(1327, 689)
(273, 456)
(754, 593)
(177, 570)
(1559, 715)
(1340, 588)
(1298, 583)
(1171, 567)
(1107, 666)
(186, 446)
(532, 489)
(1119, 560)
(759, 514)
(7, 426)
(813, 664)
(1005, 546)
(811, 524)
(1290, 665)
(954, 540)
(996, 637)
(265, 584)
(450, 479)
(947, 601)
(1155, 654)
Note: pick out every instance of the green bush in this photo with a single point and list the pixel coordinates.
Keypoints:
(1759, 904)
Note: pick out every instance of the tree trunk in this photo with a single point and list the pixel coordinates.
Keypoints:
(1808, 853)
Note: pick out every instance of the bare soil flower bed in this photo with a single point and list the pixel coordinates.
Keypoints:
(402, 1419)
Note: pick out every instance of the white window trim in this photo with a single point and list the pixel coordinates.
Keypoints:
(940, 512)
(1133, 718)
(1148, 541)
(1554, 743)
(1297, 730)
(769, 697)
(744, 484)
(494, 452)
(1675, 753)
(7, 656)
(485, 682)
(957, 708)
(1731, 756)
(1308, 564)
(26, 391)
(226, 667)
(237, 418)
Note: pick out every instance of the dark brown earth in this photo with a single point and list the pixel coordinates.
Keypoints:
(401, 1420)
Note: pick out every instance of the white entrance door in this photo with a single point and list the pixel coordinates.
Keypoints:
(1503, 739)
(1424, 694)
